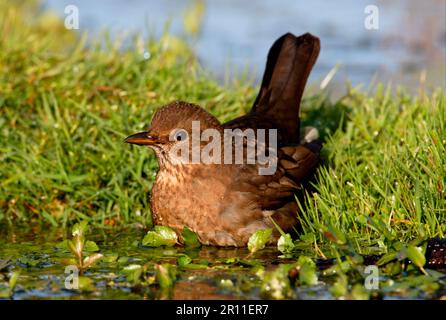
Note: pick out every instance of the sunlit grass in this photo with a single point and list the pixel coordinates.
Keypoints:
(66, 109)
(385, 174)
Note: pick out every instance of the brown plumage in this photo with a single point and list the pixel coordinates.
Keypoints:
(226, 203)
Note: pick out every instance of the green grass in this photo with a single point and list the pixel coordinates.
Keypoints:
(66, 109)
(385, 176)
(67, 106)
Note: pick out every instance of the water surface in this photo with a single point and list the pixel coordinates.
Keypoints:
(408, 47)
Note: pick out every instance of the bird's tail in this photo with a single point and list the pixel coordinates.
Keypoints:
(289, 64)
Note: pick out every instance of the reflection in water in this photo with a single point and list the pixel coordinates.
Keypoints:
(33, 252)
(215, 273)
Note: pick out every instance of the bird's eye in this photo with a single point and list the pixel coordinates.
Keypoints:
(180, 135)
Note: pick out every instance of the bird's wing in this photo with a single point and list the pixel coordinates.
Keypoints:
(275, 193)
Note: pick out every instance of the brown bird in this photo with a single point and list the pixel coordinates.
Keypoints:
(225, 203)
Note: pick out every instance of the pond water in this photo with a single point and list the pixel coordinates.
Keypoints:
(214, 274)
(409, 45)
(37, 258)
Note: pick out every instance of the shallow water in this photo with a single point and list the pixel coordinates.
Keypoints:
(41, 265)
(215, 273)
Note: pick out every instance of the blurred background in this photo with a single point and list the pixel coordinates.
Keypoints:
(233, 37)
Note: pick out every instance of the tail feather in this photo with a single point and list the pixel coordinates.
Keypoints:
(289, 64)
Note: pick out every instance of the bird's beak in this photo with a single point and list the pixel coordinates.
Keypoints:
(141, 139)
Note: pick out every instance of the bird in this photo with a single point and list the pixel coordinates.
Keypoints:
(226, 203)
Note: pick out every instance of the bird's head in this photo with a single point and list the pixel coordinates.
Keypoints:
(172, 130)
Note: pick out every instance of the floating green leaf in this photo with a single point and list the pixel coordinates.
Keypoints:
(160, 236)
(85, 284)
(123, 260)
(79, 229)
(285, 243)
(190, 238)
(165, 275)
(131, 267)
(416, 255)
(133, 272)
(109, 258)
(13, 280)
(91, 246)
(184, 260)
(307, 271)
(259, 239)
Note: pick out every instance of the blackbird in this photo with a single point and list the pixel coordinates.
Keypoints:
(225, 202)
